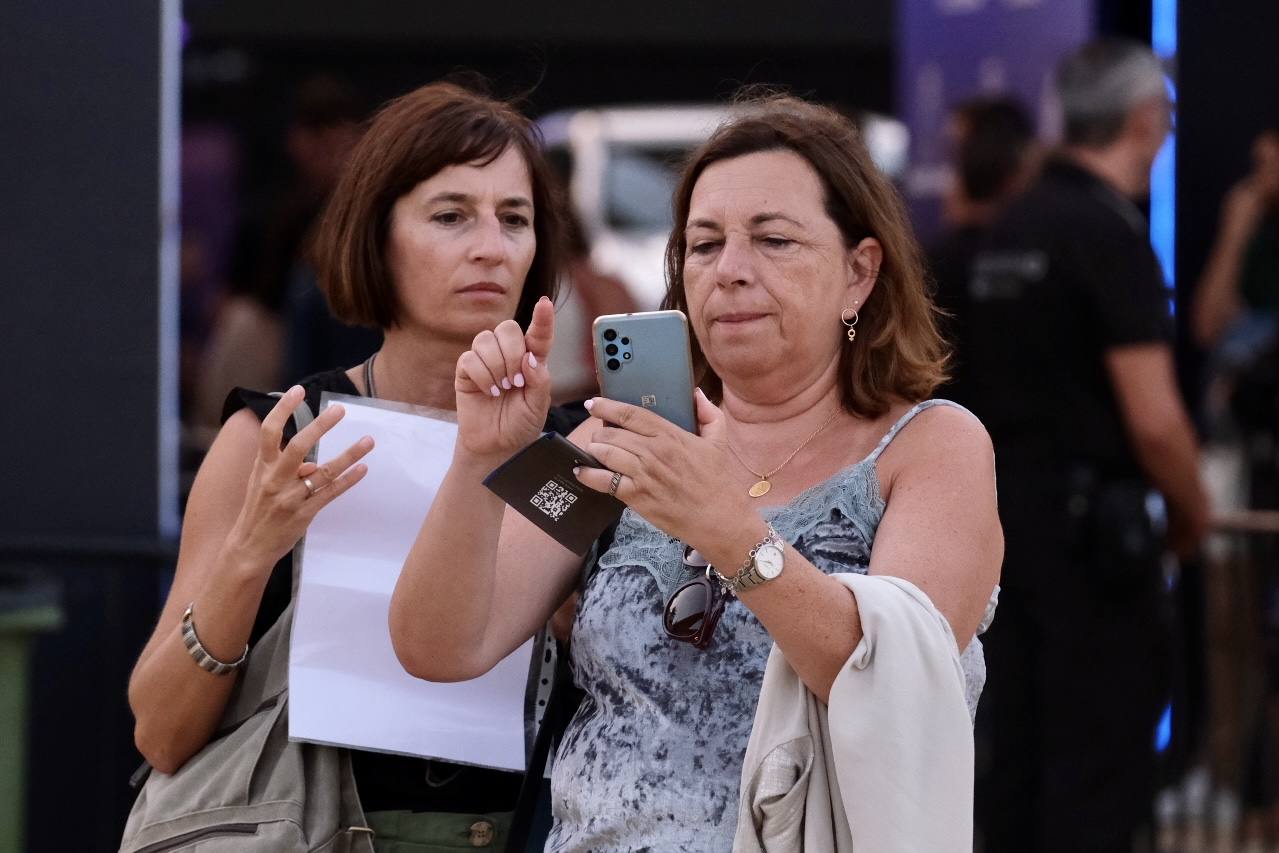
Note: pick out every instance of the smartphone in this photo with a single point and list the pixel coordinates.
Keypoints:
(644, 359)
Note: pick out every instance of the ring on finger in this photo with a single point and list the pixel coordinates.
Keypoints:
(311, 488)
(614, 483)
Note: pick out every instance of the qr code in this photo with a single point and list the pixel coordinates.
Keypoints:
(553, 499)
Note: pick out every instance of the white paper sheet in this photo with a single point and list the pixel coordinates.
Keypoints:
(345, 685)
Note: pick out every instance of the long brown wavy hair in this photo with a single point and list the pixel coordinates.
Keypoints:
(899, 351)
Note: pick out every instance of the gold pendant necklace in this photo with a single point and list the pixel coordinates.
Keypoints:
(763, 487)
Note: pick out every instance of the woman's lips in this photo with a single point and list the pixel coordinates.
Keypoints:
(484, 287)
(739, 317)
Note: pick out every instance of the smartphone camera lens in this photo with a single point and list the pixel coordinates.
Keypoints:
(614, 364)
(626, 341)
(611, 349)
(610, 334)
(626, 355)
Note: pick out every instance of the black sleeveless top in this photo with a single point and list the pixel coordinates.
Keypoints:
(389, 781)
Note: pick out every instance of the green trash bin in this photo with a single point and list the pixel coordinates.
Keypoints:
(29, 605)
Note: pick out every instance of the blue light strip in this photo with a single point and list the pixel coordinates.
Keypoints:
(1163, 208)
(1163, 731)
(1163, 219)
(1163, 28)
(1163, 190)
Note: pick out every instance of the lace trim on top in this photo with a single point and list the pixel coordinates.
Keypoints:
(853, 491)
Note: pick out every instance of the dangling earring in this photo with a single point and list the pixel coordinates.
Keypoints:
(850, 322)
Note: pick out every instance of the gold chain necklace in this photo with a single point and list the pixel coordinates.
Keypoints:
(763, 487)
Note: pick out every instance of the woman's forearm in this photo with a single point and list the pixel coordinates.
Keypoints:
(176, 704)
(1217, 300)
(443, 603)
(812, 618)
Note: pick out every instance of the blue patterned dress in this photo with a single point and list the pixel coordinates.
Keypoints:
(653, 757)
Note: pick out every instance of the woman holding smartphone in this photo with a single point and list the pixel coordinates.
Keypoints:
(817, 452)
(443, 225)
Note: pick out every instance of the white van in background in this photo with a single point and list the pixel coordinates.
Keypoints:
(623, 162)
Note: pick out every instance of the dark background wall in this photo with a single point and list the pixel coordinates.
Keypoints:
(700, 24)
(243, 61)
(90, 410)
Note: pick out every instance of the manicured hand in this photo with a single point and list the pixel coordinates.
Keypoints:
(503, 386)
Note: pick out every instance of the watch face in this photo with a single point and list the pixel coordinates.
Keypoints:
(768, 561)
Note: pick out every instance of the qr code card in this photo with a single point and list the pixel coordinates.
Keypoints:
(553, 500)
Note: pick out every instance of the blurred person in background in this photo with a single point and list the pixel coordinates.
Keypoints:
(783, 230)
(1236, 307)
(587, 294)
(995, 158)
(1070, 352)
(444, 225)
(247, 344)
(1236, 320)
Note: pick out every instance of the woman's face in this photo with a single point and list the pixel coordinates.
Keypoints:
(460, 245)
(766, 271)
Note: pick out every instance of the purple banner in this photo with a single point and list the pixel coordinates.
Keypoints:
(951, 50)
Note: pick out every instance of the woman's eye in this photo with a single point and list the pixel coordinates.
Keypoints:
(777, 242)
(448, 217)
(515, 220)
(702, 247)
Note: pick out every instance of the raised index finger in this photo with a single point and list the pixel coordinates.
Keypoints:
(541, 330)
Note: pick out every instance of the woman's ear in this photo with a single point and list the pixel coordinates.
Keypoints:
(864, 260)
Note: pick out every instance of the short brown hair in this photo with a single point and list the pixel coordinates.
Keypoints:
(410, 139)
(899, 350)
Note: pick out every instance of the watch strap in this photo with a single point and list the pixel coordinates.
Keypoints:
(748, 576)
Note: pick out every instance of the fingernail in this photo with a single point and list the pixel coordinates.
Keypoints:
(589, 404)
(297, 389)
(545, 299)
(367, 441)
(532, 359)
(576, 470)
(495, 392)
(506, 384)
(519, 380)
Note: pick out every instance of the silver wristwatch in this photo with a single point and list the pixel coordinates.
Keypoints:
(765, 562)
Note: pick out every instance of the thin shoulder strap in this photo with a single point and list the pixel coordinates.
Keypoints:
(905, 419)
(302, 416)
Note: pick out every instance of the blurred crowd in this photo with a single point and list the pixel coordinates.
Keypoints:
(1064, 347)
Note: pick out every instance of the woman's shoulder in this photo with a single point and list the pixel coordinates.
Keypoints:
(935, 435)
(932, 420)
(261, 402)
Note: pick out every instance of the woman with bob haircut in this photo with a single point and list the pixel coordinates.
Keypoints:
(818, 452)
(443, 226)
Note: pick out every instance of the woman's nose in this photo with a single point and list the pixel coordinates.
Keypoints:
(490, 244)
(734, 264)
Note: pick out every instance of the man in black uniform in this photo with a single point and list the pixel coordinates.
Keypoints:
(1070, 348)
(995, 157)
